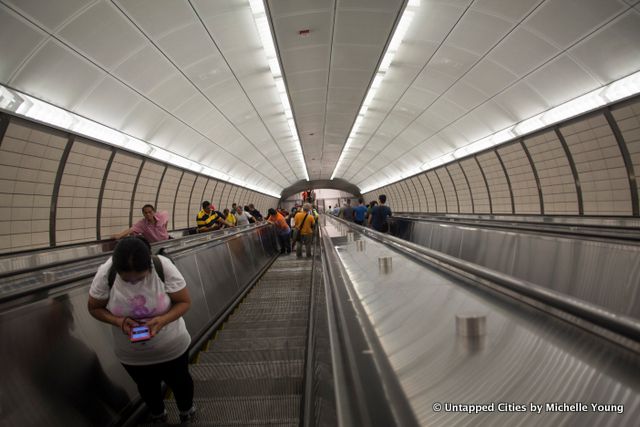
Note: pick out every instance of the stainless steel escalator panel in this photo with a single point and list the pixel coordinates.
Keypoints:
(600, 272)
(526, 355)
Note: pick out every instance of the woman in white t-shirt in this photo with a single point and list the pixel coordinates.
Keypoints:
(139, 297)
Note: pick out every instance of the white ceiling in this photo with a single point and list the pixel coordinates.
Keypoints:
(470, 68)
(191, 76)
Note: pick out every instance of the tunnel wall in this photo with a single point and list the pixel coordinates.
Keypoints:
(586, 166)
(57, 188)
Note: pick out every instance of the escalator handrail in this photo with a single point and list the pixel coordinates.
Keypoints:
(381, 401)
(48, 286)
(578, 230)
(154, 246)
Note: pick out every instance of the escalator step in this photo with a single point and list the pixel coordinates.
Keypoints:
(243, 411)
(240, 323)
(262, 332)
(300, 316)
(266, 310)
(269, 343)
(247, 370)
(248, 387)
(253, 356)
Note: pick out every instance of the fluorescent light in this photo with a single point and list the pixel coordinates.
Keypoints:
(615, 91)
(264, 31)
(396, 40)
(23, 105)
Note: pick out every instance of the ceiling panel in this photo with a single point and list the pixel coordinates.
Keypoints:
(102, 34)
(24, 39)
(51, 14)
(562, 22)
(57, 75)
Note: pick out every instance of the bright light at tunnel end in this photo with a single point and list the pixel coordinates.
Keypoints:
(28, 107)
(605, 95)
(264, 31)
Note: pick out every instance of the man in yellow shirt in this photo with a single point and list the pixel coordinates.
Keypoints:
(304, 223)
(208, 219)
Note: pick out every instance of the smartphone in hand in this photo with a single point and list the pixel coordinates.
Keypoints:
(140, 333)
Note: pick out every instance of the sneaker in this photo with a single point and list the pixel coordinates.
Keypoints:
(159, 419)
(187, 416)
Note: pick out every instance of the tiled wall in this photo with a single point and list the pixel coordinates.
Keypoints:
(167, 192)
(556, 179)
(79, 193)
(118, 190)
(496, 181)
(196, 199)
(477, 185)
(603, 177)
(183, 197)
(461, 187)
(147, 189)
(585, 166)
(523, 182)
(430, 195)
(628, 120)
(441, 204)
(29, 159)
(33, 158)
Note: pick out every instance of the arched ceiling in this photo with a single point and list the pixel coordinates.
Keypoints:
(192, 77)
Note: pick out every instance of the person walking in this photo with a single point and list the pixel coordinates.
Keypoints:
(379, 214)
(133, 289)
(304, 223)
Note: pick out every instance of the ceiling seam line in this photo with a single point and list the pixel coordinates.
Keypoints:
(412, 81)
(326, 98)
(372, 78)
(512, 84)
(54, 37)
(195, 87)
(243, 91)
(267, 12)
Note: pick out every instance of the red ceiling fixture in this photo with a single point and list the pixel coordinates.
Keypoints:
(304, 33)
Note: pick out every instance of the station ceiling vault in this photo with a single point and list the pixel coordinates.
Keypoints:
(192, 77)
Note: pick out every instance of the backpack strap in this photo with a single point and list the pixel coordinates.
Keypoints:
(157, 265)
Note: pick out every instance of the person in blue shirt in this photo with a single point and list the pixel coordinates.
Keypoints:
(359, 212)
(379, 215)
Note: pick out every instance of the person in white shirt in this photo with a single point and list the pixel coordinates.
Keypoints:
(243, 217)
(136, 296)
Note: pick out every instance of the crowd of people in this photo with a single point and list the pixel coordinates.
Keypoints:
(374, 214)
(291, 226)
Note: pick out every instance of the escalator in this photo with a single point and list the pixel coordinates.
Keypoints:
(252, 371)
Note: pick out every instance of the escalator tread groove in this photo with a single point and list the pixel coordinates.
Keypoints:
(251, 372)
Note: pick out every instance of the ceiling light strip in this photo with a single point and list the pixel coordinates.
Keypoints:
(398, 36)
(262, 24)
(23, 105)
(605, 95)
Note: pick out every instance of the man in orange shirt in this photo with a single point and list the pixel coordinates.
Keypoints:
(282, 229)
(304, 223)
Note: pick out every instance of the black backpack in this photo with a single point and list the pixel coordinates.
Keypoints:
(157, 265)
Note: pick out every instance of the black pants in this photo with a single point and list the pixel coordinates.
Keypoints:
(174, 372)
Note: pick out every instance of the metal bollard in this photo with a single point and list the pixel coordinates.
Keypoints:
(385, 265)
(471, 324)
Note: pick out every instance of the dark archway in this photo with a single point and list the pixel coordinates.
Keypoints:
(336, 184)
